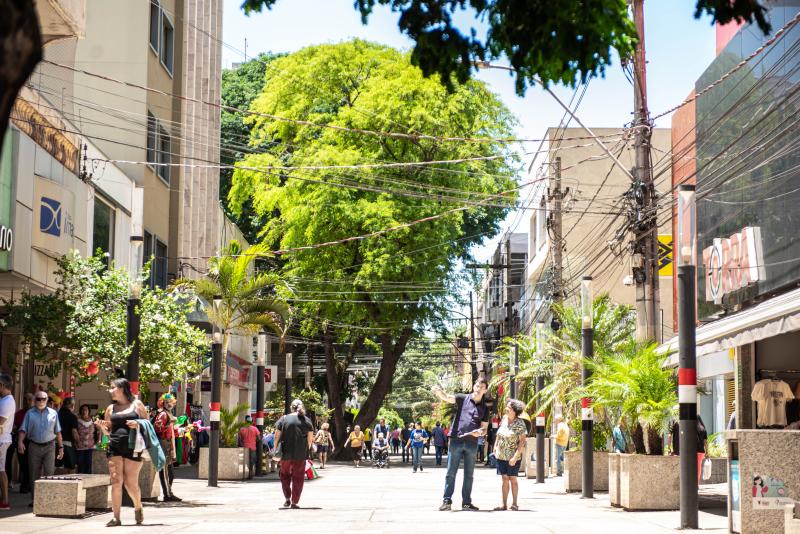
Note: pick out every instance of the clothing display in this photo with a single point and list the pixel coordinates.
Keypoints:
(771, 396)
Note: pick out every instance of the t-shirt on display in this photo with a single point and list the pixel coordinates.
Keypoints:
(771, 397)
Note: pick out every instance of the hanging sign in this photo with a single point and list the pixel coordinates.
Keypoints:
(733, 263)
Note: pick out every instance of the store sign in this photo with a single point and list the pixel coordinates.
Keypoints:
(54, 217)
(238, 371)
(733, 263)
(6, 238)
(271, 377)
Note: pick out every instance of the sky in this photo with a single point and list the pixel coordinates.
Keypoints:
(679, 48)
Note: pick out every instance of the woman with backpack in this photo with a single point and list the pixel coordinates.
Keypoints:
(324, 442)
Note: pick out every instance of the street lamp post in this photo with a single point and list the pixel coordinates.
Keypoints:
(687, 362)
(287, 384)
(134, 324)
(540, 417)
(513, 364)
(587, 349)
(216, 397)
(262, 350)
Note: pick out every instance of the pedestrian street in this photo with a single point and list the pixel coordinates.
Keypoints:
(345, 499)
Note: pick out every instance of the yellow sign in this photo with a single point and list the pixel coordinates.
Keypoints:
(665, 255)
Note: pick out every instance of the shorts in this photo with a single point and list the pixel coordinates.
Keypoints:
(3, 450)
(503, 468)
(128, 454)
(322, 449)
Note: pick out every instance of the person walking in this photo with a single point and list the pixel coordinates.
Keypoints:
(69, 431)
(294, 433)
(324, 442)
(562, 440)
(269, 446)
(165, 430)
(439, 442)
(416, 442)
(368, 442)
(404, 435)
(248, 438)
(428, 441)
(356, 442)
(470, 421)
(396, 441)
(122, 418)
(701, 436)
(22, 458)
(7, 408)
(620, 438)
(509, 446)
(41, 429)
(86, 440)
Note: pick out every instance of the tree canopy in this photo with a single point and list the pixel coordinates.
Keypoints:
(372, 293)
(561, 41)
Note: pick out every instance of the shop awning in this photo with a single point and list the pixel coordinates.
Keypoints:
(772, 317)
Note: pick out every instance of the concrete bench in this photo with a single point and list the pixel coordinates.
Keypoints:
(71, 495)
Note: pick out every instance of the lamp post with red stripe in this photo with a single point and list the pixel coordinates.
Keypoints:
(216, 397)
(687, 358)
(587, 350)
(540, 416)
(262, 350)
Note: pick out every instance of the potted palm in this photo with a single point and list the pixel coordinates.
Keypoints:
(232, 458)
(614, 326)
(633, 386)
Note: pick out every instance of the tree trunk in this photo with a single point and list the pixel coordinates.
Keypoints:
(655, 445)
(334, 392)
(391, 355)
(637, 435)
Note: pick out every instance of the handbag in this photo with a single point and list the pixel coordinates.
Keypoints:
(707, 469)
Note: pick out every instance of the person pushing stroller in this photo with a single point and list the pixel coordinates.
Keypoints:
(381, 449)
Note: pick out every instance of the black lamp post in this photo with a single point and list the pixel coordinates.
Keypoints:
(287, 384)
(134, 324)
(216, 396)
(262, 350)
(587, 431)
(540, 417)
(687, 358)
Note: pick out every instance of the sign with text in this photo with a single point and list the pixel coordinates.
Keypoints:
(54, 218)
(270, 377)
(733, 263)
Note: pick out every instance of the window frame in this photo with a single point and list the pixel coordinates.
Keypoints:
(162, 44)
(151, 153)
(164, 170)
(112, 221)
(156, 49)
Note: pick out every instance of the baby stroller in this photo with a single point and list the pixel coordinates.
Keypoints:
(381, 459)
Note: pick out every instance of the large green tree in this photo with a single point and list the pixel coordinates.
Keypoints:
(240, 85)
(372, 293)
(562, 41)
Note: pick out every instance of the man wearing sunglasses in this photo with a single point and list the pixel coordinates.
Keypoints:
(43, 431)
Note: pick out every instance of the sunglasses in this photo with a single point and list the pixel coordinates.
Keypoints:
(38, 399)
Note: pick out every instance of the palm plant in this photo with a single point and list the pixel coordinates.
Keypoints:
(634, 386)
(230, 423)
(251, 301)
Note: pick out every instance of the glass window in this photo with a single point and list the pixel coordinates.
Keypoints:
(103, 230)
(164, 154)
(541, 224)
(155, 19)
(167, 43)
(151, 138)
(160, 265)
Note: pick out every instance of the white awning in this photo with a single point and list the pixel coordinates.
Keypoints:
(772, 317)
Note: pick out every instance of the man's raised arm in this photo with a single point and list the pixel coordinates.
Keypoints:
(446, 397)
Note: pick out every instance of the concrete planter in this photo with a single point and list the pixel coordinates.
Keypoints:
(232, 463)
(649, 482)
(573, 470)
(148, 476)
(719, 471)
(530, 454)
(613, 479)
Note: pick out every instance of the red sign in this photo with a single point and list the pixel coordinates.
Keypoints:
(267, 375)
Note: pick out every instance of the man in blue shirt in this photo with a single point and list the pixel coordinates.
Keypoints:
(470, 422)
(416, 441)
(43, 431)
(439, 441)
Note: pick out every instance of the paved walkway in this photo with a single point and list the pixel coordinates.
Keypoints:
(348, 500)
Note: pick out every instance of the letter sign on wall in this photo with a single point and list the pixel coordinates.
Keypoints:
(6, 238)
(733, 263)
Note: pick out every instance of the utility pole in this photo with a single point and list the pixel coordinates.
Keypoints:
(477, 370)
(646, 242)
(558, 248)
(514, 364)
